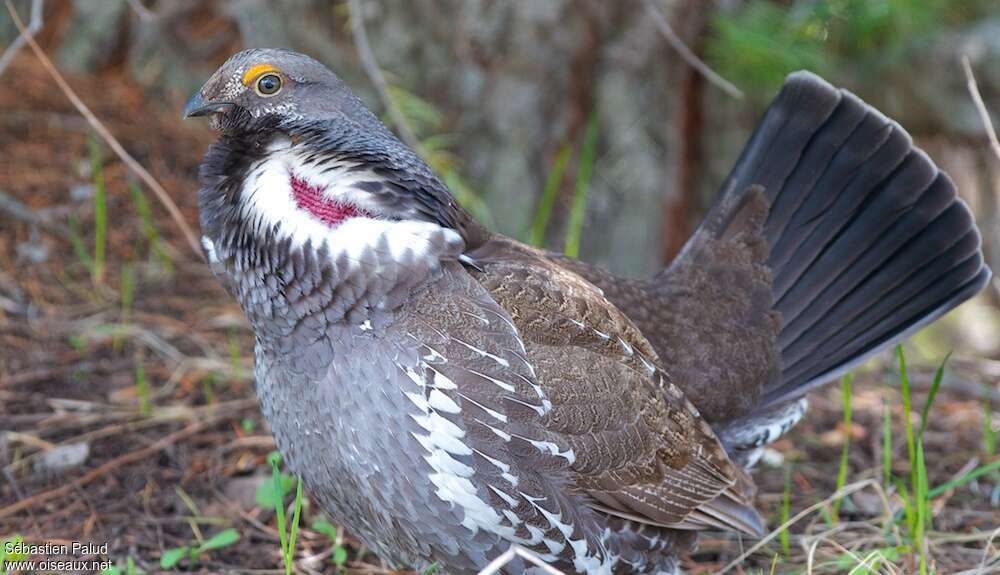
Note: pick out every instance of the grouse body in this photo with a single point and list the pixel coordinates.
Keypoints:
(445, 392)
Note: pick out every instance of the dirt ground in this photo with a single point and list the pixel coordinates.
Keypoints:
(74, 354)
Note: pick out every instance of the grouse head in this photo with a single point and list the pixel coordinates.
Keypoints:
(275, 82)
(302, 166)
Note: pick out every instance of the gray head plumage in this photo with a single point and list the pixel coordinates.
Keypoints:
(273, 81)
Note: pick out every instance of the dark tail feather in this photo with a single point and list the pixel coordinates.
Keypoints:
(868, 239)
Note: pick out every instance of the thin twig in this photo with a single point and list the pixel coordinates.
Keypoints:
(126, 158)
(34, 25)
(690, 57)
(106, 468)
(17, 210)
(984, 115)
(977, 99)
(374, 73)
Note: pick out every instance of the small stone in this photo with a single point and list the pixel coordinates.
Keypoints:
(772, 457)
(63, 458)
(82, 192)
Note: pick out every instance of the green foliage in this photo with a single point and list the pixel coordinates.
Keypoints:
(976, 473)
(324, 527)
(552, 184)
(922, 502)
(786, 499)
(989, 434)
(118, 569)
(270, 493)
(886, 445)
(77, 342)
(152, 235)
(917, 495)
(757, 47)
(79, 248)
(248, 425)
(846, 392)
(208, 387)
(173, 556)
(339, 556)
(426, 122)
(585, 169)
(932, 393)
(142, 387)
(286, 533)
(758, 44)
(11, 542)
(127, 291)
(223, 538)
(127, 295)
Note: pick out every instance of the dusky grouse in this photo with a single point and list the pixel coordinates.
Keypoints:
(444, 391)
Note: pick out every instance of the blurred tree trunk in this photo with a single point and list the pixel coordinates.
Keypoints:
(680, 204)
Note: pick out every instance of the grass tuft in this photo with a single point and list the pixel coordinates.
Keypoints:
(552, 184)
(886, 445)
(583, 174)
(916, 500)
(786, 499)
(149, 231)
(142, 386)
(287, 534)
(989, 434)
(127, 295)
(847, 394)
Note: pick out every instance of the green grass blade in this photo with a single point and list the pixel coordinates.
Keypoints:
(786, 498)
(886, 445)
(908, 507)
(127, 291)
(932, 393)
(922, 506)
(552, 184)
(960, 481)
(911, 445)
(79, 247)
(152, 235)
(127, 294)
(847, 393)
(913, 514)
(279, 506)
(149, 230)
(142, 387)
(989, 435)
(583, 173)
(171, 557)
(290, 552)
(224, 538)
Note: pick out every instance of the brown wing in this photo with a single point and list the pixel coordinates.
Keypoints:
(709, 315)
(641, 449)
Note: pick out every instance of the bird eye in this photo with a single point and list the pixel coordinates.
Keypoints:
(268, 85)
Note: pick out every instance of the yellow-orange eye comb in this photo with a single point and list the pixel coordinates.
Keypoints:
(255, 71)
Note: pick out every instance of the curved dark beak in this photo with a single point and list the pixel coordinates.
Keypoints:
(197, 106)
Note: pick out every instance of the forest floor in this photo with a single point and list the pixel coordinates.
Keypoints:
(128, 416)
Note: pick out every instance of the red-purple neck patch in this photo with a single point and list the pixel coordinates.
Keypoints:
(330, 212)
